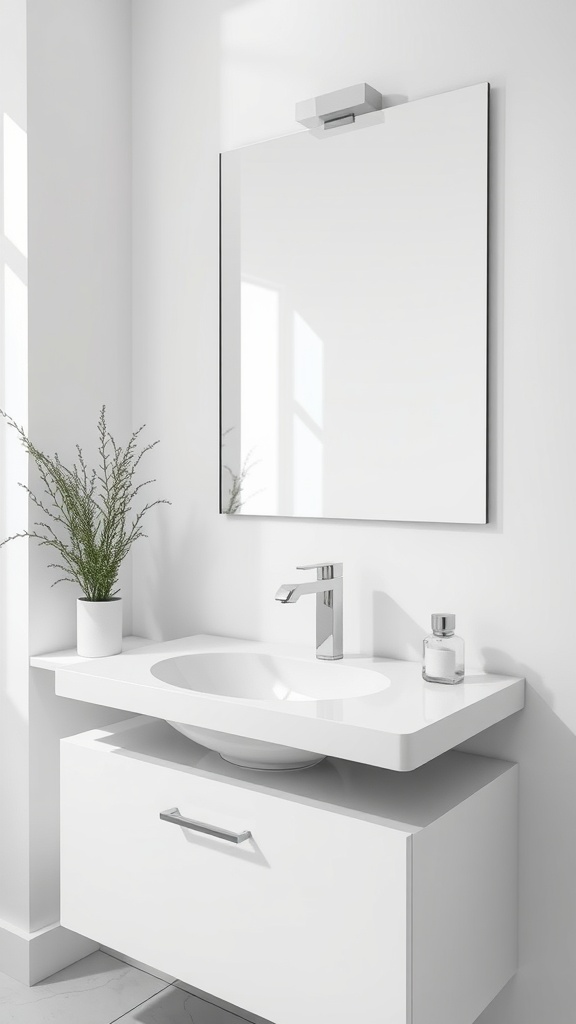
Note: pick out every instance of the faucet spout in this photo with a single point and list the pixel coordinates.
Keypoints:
(289, 593)
(328, 590)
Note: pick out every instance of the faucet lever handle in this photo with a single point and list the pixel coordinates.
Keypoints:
(326, 570)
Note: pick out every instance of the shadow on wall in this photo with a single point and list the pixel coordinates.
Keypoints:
(169, 617)
(544, 989)
(393, 99)
(396, 635)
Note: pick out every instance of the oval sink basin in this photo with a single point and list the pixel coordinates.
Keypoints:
(267, 677)
(262, 677)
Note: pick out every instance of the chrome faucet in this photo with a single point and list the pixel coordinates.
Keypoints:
(328, 590)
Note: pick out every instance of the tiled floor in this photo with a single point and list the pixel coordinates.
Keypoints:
(102, 990)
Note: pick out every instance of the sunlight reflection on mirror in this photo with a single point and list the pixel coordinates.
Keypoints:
(308, 420)
(307, 471)
(308, 370)
(259, 395)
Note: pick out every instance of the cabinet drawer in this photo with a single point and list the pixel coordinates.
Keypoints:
(308, 914)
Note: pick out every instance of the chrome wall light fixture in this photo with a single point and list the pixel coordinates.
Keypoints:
(334, 109)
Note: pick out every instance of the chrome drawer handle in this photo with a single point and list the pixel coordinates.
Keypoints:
(173, 815)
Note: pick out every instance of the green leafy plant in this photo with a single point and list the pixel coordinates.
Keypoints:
(87, 514)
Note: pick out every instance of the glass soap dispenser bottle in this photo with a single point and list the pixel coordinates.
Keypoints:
(443, 658)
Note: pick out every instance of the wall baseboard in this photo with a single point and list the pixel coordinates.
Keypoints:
(30, 957)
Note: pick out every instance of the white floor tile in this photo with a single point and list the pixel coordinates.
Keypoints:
(175, 1006)
(234, 1012)
(168, 978)
(95, 990)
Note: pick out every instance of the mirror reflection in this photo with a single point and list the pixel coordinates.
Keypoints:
(353, 318)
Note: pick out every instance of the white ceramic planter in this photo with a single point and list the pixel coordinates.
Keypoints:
(98, 627)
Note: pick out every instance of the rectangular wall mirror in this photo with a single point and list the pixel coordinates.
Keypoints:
(354, 318)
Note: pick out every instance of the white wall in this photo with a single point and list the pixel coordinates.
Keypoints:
(14, 777)
(79, 139)
(74, 57)
(219, 73)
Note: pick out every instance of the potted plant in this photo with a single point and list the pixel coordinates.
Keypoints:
(88, 518)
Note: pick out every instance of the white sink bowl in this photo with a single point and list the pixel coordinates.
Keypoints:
(249, 676)
(261, 677)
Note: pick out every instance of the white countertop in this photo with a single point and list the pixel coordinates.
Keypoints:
(406, 724)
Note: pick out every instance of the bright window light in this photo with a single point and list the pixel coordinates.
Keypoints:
(15, 185)
(259, 396)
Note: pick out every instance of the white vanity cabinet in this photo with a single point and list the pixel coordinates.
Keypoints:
(362, 894)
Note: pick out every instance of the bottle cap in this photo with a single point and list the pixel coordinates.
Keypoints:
(442, 622)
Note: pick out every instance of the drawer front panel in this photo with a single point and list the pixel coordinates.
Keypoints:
(305, 921)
